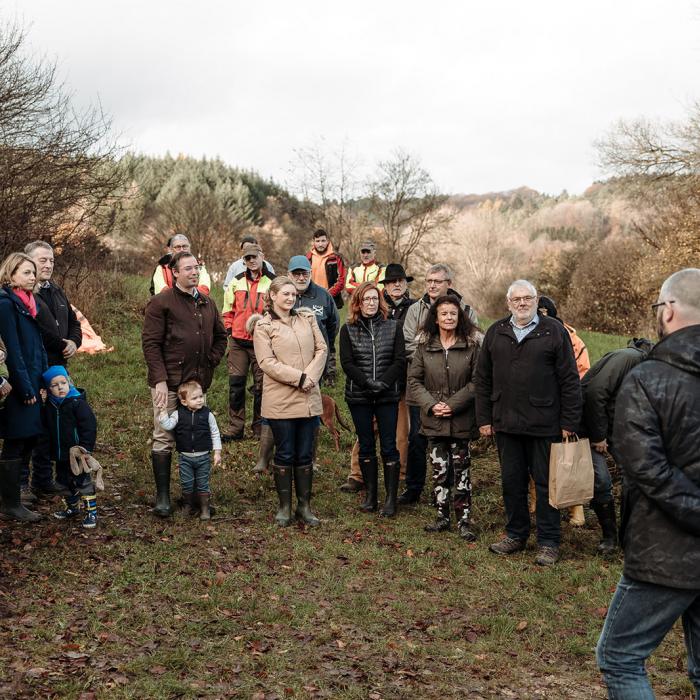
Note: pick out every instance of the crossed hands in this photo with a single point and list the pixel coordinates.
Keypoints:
(441, 410)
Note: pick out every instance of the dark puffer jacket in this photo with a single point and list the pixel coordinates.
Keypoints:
(657, 438)
(437, 375)
(70, 422)
(372, 348)
(531, 387)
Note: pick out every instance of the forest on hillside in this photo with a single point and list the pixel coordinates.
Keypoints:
(601, 255)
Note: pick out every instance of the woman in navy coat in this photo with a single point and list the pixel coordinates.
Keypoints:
(20, 418)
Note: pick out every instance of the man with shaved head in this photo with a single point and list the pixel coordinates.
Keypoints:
(657, 437)
(528, 396)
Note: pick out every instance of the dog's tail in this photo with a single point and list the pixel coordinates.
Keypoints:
(340, 419)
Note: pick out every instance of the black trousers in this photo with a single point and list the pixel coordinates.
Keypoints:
(522, 456)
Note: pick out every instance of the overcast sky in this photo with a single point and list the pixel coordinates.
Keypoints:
(490, 95)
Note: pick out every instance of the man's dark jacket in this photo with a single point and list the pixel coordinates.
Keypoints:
(528, 388)
(657, 439)
(183, 338)
(398, 311)
(57, 322)
(601, 384)
(318, 300)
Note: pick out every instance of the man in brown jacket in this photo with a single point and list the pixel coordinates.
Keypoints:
(183, 339)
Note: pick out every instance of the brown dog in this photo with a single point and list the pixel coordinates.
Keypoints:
(329, 416)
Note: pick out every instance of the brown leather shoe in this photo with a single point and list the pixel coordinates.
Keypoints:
(507, 545)
(546, 556)
(352, 486)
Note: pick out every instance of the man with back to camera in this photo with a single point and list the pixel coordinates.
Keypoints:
(656, 438)
(528, 395)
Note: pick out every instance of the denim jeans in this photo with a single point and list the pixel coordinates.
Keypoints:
(76, 484)
(639, 617)
(602, 483)
(387, 415)
(520, 457)
(294, 440)
(194, 473)
(416, 457)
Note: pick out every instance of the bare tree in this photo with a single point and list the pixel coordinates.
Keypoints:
(405, 202)
(57, 168)
(328, 178)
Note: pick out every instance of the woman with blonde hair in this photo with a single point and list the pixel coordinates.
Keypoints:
(291, 352)
(373, 356)
(20, 420)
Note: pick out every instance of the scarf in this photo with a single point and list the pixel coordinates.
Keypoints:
(27, 298)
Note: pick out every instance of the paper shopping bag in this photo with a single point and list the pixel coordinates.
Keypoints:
(570, 473)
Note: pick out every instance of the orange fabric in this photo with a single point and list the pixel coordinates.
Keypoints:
(583, 362)
(318, 266)
(92, 343)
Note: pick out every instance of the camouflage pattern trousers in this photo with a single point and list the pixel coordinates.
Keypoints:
(451, 462)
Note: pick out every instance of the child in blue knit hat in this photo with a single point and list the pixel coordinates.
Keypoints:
(70, 422)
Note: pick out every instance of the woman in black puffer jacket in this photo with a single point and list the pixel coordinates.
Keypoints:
(373, 357)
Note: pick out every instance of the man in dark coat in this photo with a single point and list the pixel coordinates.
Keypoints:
(183, 339)
(656, 439)
(62, 336)
(600, 386)
(528, 395)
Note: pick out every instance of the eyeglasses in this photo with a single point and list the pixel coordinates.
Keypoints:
(250, 257)
(366, 251)
(300, 273)
(662, 303)
(431, 282)
(370, 300)
(518, 300)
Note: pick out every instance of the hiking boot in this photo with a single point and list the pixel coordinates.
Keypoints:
(51, 489)
(440, 525)
(26, 496)
(90, 519)
(71, 510)
(546, 556)
(465, 531)
(352, 486)
(408, 497)
(232, 437)
(508, 545)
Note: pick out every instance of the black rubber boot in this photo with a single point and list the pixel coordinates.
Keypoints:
(283, 484)
(368, 467)
(204, 510)
(608, 524)
(267, 447)
(303, 478)
(442, 522)
(10, 492)
(391, 486)
(161, 475)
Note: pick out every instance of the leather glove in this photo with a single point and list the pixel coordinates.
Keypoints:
(376, 387)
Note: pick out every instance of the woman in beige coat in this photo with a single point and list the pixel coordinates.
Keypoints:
(291, 352)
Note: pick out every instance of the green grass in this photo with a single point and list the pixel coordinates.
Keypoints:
(145, 608)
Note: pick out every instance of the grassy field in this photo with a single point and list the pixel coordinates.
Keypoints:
(359, 608)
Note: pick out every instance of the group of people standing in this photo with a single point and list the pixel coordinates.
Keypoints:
(44, 419)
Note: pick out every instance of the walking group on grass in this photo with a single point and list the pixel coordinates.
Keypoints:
(421, 376)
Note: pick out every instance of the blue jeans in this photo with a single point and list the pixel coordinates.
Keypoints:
(602, 483)
(520, 457)
(387, 415)
(639, 617)
(194, 473)
(416, 456)
(294, 440)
